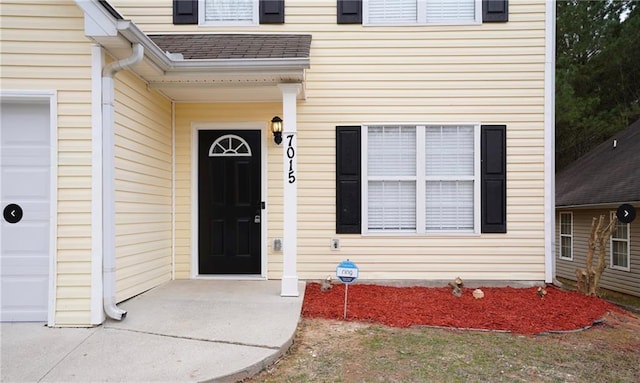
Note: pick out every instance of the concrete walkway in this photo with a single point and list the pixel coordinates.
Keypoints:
(182, 331)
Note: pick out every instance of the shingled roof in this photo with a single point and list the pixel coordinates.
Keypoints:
(607, 174)
(234, 46)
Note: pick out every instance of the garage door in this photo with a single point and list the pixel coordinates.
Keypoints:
(25, 197)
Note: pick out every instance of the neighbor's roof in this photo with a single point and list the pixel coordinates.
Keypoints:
(606, 174)
(235, 46)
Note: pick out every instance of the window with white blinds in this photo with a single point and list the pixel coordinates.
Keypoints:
(449, 170)
(391, 159)
(421, 178)
(229, 12)
(398, 12)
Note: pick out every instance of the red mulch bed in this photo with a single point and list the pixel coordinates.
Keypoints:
(518, 310)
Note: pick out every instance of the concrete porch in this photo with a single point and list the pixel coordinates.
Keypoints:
(181, 331)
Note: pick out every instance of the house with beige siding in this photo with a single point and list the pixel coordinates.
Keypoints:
(604, 182)
(270, 139)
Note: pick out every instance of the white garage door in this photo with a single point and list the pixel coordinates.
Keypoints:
(25, 194)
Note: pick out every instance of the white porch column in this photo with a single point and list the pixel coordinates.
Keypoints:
(290, 174)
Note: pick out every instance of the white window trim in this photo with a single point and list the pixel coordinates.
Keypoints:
(203, 23)
(421, 179)
(628, 241)
(421, 16)
(570, 213)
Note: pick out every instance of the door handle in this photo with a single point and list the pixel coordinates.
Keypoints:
(256, 219)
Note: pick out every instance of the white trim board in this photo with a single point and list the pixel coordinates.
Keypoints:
(549, 144)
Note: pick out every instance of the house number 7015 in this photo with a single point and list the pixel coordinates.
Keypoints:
(291, 154)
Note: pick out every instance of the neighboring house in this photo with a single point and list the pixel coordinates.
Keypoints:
(417, 141)
(597, 184)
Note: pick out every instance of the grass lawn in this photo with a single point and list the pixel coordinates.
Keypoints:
(328, 350)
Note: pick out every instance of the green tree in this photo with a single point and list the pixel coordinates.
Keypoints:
(597, 73)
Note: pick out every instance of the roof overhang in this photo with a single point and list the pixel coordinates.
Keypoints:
(604, 205)
(227, 80)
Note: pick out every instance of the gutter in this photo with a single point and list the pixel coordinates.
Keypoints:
(108, 181)
(602, 205)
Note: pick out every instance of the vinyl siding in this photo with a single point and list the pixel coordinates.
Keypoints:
(143, 187)
(43, 48)
(627, 282)
(489, 74)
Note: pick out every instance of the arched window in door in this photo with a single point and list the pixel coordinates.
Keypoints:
(230, 145)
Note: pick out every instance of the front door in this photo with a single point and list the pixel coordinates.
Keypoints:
(25, 246)
(229, 202)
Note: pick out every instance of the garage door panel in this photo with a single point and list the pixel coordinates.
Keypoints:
(30, 121)
(23, 299)
(17, 240)
(14, 265)
(38, 179)
(25, 244)
(26, 162)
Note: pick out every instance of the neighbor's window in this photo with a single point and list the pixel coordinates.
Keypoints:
(620, 246)
(421, 179)
(421, 12)
(228, 12)
(566, 236)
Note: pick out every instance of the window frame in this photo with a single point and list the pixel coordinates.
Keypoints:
(421, 14)
(421, 179)
(203, 23)
(561, 235)
(628, 242)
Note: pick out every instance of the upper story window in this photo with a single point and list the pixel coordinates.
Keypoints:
(228, 12)
(421, 12)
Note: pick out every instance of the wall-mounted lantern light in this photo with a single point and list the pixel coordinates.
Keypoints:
(276, 129)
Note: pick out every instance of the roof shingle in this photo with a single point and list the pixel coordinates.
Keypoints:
(606, 174)
(235, 46)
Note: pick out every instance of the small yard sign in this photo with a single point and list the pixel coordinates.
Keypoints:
(347, 272)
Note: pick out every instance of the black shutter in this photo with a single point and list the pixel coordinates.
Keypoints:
(271, 11)
(348, 180)
(493, 147)
(185, 11)
(349, 11)
(495, 11)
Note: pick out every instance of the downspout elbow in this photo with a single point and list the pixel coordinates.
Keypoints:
(108, 181)
(112, 68)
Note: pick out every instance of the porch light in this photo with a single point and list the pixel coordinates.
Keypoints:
(276, 129)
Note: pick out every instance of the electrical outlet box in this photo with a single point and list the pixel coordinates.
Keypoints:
(277, 244)
(335, 244)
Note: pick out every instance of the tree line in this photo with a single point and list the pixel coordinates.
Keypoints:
(597, 73)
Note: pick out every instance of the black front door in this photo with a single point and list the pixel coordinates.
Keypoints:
(229, 202)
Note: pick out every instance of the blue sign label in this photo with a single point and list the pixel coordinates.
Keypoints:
(347, 271)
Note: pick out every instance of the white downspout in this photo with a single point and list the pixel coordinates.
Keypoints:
(108, 182)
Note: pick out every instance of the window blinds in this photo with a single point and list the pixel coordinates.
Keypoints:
(393, 11)
(450, 10)
(420, 11)
(391, 162)
(229, 10)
